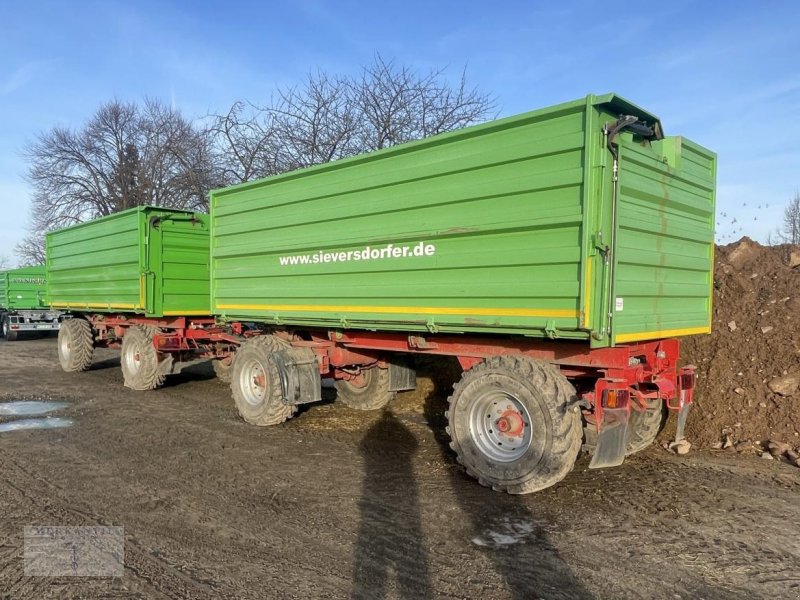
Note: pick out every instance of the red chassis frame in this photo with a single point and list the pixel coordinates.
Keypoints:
(623, 377)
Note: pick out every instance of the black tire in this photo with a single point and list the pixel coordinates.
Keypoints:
(493, 394)
(4, 326)
(256, 383)
(222, 370)
(139, 359)
(9, 334)
(372, 395)
(75, 345)
(643, 427)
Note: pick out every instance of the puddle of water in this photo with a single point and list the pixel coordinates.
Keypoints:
(45, 423)
(29, 407)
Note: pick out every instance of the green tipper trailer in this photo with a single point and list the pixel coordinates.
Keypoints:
(23, 303)
(556, 254)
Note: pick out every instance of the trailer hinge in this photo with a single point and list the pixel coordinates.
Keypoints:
(550, 329)
(431, 325)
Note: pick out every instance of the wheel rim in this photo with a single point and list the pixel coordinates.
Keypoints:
(5, 328)
(253, 382)
(64, 347)
(132, 359)
(500, 426)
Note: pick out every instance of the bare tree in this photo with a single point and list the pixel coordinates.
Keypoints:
(5, 262)
(399, 104)
(126, 155)
(315, 122)
(31, 251)
(244, 143)
(790, 233)
(329, 117)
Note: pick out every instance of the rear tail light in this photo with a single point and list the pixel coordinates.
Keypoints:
(687, 381)
(615, 398)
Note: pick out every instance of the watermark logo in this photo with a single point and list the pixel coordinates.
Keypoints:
(92, 551)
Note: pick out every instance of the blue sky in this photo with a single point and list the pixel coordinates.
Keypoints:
(725, 74)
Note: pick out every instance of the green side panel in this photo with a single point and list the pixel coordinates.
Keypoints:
(118, 263)
(665, 239)
(23, 289)
(478, 230)
(96, 266)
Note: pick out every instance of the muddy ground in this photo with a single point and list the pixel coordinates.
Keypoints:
(337, 504)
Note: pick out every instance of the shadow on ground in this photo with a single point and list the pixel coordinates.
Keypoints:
(390, 553)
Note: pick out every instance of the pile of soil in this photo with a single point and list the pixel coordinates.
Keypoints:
(749, 367)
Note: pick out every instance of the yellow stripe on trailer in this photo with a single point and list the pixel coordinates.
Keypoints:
(82, 305)
(664, 333)
(425, 310)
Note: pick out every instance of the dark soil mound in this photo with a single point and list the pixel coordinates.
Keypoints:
(754, 349)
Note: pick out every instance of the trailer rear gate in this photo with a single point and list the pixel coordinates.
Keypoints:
(508, 227)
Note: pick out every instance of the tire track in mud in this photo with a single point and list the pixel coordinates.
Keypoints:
(154, 577)
(701, 540)
(156, 513)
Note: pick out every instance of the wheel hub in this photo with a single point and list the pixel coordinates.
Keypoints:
(500, 426)
(253, 381)
(510, 423)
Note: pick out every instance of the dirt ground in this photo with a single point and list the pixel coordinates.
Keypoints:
(755, 342)
(337, 504)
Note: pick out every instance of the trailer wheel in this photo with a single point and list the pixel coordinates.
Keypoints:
(8, 333)
(256, 383)
(643, 427)
(222, 370)
(139, 359)
(75, 345)
(3, 326)
(369, 392)
(513, 424)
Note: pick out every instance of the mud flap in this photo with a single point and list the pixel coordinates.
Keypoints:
(686, 382)
(299, 371)
(401, 377)
(683, 413)
(610, 449)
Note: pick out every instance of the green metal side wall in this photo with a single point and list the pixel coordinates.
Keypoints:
(665, 239)
(520, 220)
(118, 264)
(96, 265)
(501, 203)
(23, 289)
